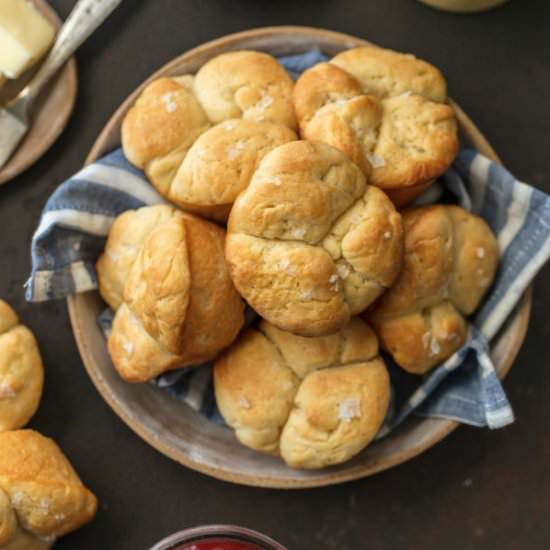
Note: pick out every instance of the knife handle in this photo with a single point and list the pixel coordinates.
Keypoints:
(86, 16)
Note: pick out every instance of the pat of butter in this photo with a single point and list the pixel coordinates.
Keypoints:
(25, 36)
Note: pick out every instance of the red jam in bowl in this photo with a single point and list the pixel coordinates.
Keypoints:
(218, 537)
(218, 544)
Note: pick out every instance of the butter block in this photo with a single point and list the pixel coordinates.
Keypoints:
(25, 36)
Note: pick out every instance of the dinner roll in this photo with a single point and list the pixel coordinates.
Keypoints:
(179, 306)
(221, 162)
(41, 496)
(168, 133)
(386, 111)
(309, 243)
(158, 130)
(245, 84)
(449, 263)
(313, 401)
(21, 371)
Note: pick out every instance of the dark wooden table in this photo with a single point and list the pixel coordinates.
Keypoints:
(476, 489)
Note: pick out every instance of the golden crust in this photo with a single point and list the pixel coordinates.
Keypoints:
(332, 108)
(137, 356)
(179, 306)
(386, 73)
(245, 84)
(336, 413)
(450, 260)
(126, 237)
(255, 391)
(42, 489)
(309, 243)
(313, 401)
(384, 110)
(417, 141)
(159, 129)
(21, 372)
(162, 132)
(221, 162)
(215, 314)
(21, 378)
(158, 286)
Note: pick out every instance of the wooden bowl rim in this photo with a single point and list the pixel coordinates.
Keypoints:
(444, 428)
(66, 75)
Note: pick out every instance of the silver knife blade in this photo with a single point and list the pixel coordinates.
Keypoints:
(12, 131)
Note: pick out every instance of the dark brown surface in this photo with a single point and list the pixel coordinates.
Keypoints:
(477, 489)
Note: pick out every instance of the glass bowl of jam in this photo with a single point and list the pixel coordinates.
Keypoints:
(218, 537)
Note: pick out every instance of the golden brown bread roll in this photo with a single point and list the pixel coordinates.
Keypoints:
(313, 401)
(386, 111)
(168, 131)
(179, 305)
(21, 371)
(41, 496)
(450, 261)
(309, 243)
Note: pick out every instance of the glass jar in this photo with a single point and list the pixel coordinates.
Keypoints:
(463, 6)
(218, 537)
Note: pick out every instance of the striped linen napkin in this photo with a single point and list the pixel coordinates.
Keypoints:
(79, 214)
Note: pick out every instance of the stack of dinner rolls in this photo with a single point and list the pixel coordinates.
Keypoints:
(309, 181)
(41, 496)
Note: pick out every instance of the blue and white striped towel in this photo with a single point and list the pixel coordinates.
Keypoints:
(78, 216)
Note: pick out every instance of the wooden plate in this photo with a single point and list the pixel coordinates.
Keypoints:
(51, 111)
(186, 436)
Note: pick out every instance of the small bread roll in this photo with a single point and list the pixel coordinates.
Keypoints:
(166, 133)
(179, 306)
(221, 162)
(309, 243)
(21, 371)
(386, 111)
(246, 84)
(158, 130)
(450, 261)
(41, 496)
(313, 401)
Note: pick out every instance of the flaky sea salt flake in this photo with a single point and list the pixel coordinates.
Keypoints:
(265, 101)
(169, 104)
(435, 348)
(426, 337)
(244, 403)
(128, 347)
(284, 263)
(343, 271)
(299, 233)
(6, 391)
(349, 409)
(376, 161)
